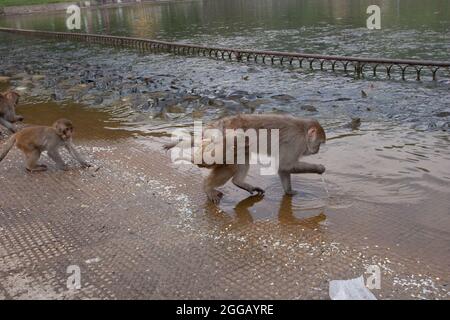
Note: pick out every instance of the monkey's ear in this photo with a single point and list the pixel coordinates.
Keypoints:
(312, 132)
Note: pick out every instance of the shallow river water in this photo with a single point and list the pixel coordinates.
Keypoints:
(389, 177)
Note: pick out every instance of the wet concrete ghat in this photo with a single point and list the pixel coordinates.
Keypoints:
(359, 66)
(138, 229)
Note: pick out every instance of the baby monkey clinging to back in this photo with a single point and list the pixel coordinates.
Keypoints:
(34, 140)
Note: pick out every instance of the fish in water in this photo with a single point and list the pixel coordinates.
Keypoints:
(354, 124)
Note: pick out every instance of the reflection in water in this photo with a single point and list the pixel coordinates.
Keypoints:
(243, 214)
(320, 26)
(285, 213)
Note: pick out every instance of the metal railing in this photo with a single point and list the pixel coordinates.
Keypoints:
(359, 66)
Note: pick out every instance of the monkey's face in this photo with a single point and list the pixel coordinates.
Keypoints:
(67, 133)
(313, 146)
(64, 129)
(315, 137)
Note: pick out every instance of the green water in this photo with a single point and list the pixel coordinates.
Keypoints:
(409, 28)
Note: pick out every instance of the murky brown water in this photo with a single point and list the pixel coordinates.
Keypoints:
(89, 123)
(385, 179)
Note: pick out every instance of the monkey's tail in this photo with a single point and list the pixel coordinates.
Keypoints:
(7, 146)
(170, 145)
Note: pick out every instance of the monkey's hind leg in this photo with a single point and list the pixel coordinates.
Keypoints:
(239, 180)
(218, 177)
(32, 158)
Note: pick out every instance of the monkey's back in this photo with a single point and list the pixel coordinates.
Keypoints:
(30, 138)
(261, 121)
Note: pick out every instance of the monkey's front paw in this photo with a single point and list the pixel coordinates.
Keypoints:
(215, 196)
(320, 169)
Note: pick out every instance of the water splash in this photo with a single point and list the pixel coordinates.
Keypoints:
(325, 185)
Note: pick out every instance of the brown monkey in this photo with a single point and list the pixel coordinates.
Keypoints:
(8, 102)
(33, 140)
(297, 137)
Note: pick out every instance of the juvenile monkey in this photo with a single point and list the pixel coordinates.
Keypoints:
(8, 102)
(34, 140)
(297, 137)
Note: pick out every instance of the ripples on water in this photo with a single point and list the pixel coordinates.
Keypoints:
(400, 154)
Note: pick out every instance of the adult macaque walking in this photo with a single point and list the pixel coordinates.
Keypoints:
(298, 137)
(8, 102)
(34, 140)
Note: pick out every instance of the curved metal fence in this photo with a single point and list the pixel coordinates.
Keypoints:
(405, 68)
